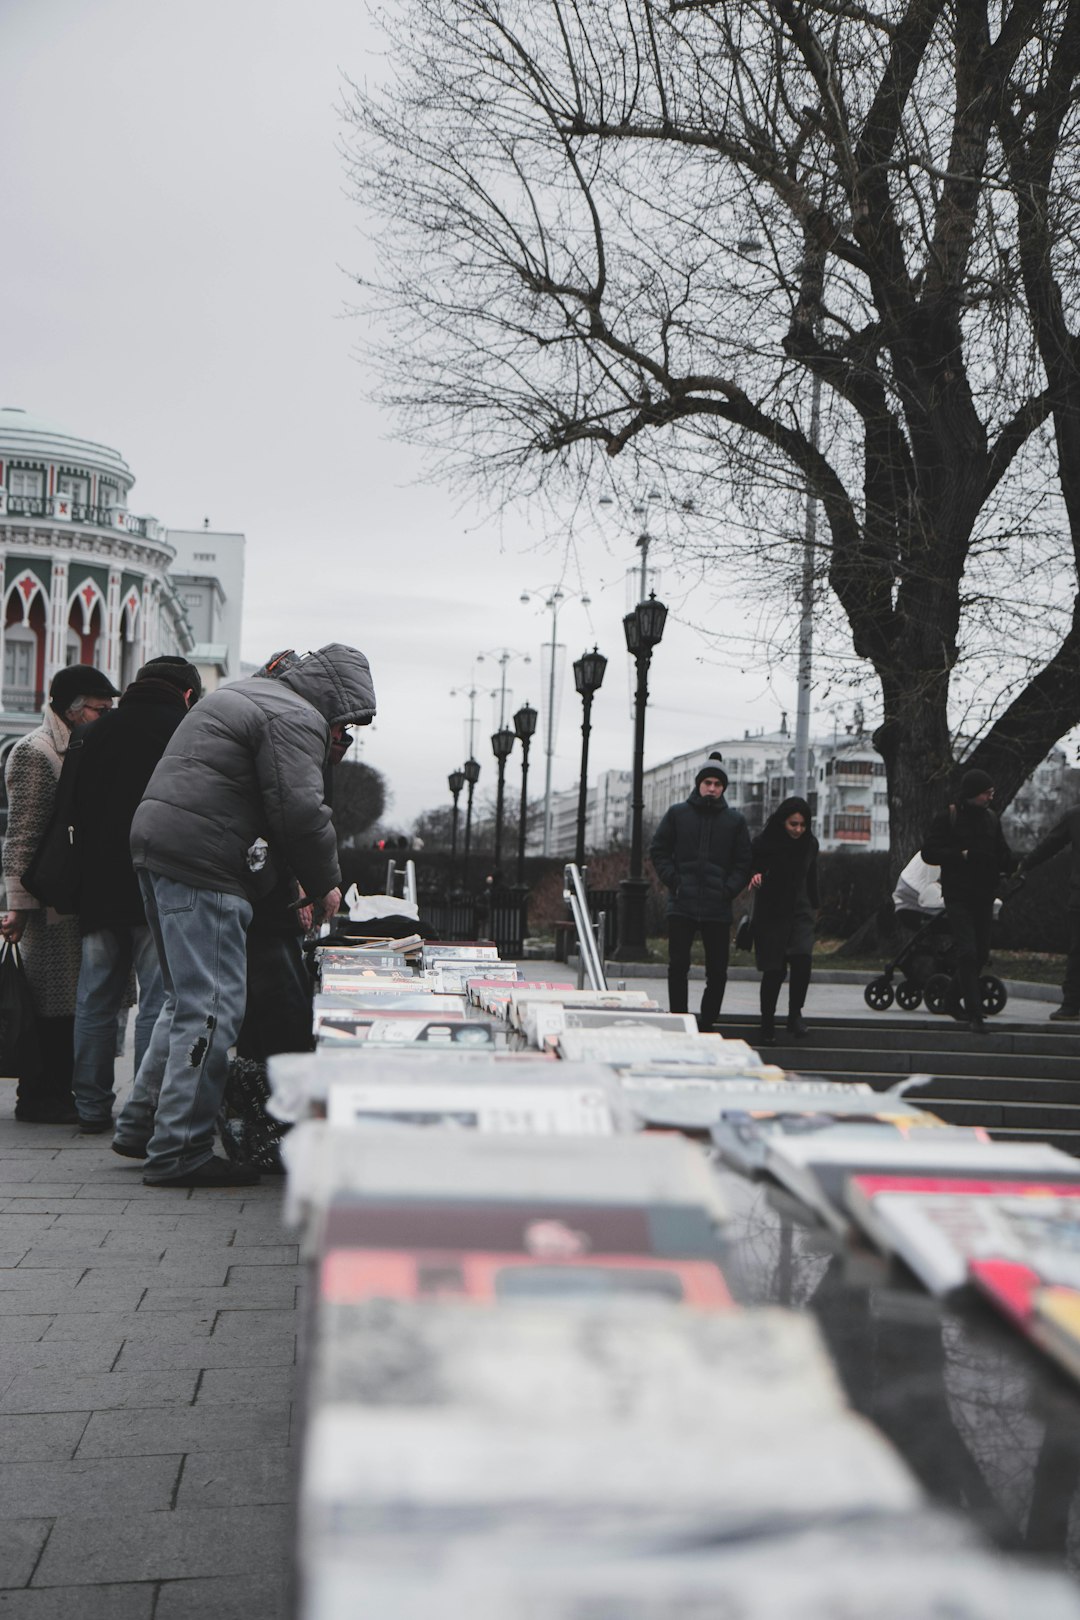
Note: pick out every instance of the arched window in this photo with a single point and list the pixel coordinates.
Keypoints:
(20, 662)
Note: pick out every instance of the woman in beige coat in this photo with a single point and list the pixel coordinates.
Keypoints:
(51, 945)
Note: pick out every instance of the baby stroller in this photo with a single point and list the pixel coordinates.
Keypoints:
(925, 958)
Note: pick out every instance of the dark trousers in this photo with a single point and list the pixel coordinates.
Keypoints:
(716, 938)
(279, 996)
(773, 978)
(1070, 985)
(46, 1089)
(970, 922)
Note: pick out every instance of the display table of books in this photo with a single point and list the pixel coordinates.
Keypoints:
(601, 1309)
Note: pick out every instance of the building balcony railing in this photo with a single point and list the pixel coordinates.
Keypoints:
(17, 700)
(64, 509)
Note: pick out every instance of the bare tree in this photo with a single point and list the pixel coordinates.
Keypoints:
(648, 229)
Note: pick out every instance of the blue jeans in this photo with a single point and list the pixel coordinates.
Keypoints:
(201, 936)
(108, 955)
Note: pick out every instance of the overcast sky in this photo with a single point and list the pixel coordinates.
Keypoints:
(176, 239)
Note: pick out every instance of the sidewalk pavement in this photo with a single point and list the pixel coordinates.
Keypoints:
(147, 1360)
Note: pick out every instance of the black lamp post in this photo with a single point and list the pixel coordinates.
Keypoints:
(456, 779)
(525, 726)
(644, 628)
(502, 742)
(471, 769)
(588, 677)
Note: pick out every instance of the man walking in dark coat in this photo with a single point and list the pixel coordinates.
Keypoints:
(1066, 835)
(119, 754)
(701, 853)
(967, 842)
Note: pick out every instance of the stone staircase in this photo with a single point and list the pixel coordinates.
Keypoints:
(1021, 1081)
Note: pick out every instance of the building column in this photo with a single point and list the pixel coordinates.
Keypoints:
(146, 631)
(112, 627)
(56, 620)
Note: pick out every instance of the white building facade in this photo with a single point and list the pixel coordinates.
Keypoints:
(607, 817)
(85, 580)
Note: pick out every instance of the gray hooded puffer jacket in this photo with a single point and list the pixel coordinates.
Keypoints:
(246, 763)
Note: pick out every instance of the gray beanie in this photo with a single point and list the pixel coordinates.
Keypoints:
(712, 767)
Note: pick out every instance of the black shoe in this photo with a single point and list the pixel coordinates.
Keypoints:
(214, 1173)
(47, 1116)
(95, 1127)
(1065, 1015)
(766, 1035)
(130, 1150)
(979, 1026)
(797, 1025)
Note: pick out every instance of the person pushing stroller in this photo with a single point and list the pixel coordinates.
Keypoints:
(967, 842)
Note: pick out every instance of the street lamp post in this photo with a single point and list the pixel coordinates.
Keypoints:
(557, 597)
(525, 726)
(644, 629)
(456, 780)
(471, 770)
(501, 743)
(588, 676)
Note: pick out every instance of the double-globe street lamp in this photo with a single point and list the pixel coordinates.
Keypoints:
(588, 677)
(471, 771)
(525, 727)
(502, 742)
(644, 629)
(456, 780)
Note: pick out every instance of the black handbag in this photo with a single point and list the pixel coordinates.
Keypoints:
(744, 931)
(19, 1051)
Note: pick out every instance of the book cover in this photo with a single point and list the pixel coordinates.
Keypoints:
(743, 1137)
(350, 1276)
(816, 1168)
(498, 1105)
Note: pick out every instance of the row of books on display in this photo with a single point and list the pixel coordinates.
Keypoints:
(529, 1392)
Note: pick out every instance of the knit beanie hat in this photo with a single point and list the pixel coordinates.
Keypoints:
(177, 671)
(712, 767)
(972, 783)
(78, 680)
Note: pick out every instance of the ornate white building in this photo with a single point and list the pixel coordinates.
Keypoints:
(86, 581)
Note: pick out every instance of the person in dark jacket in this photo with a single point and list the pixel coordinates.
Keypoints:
(237, 799)
(784, 884)
(1066, 835)
(701, 853)
(967, 842)
(119, 754)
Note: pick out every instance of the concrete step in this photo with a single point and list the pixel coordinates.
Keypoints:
(981, 1062)
(938, 1034)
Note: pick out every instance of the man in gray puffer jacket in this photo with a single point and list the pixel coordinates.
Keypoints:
(239, 787)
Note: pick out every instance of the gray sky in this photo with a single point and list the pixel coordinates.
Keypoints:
(176, 237)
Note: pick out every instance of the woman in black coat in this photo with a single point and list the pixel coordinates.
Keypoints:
(785, 890)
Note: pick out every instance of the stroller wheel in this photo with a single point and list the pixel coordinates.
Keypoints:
(936, 991)
(992, 994)
(908, 996)
(879, 994)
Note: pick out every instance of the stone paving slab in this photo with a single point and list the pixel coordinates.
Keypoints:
(184, 1543)
(133, 1602)
(107, 1485)
(147, 1363)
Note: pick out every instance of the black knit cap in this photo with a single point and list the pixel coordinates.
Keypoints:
(712, 767)
(972, 783)
(76, 681)
(177, 671)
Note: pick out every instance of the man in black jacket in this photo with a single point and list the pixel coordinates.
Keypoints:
(701, 852)
(1066, 835)
(119, 755)
(967, 842)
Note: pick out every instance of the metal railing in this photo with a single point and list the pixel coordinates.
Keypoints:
(407, 874)
(591, 963)
(97, 517)
(19, 700)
